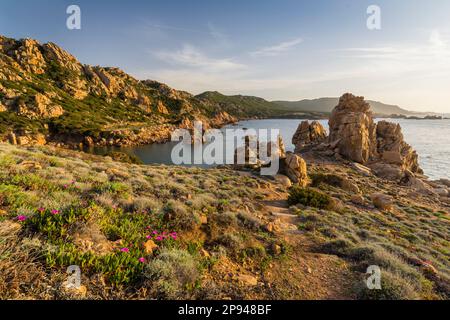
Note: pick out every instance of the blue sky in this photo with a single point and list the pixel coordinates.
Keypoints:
(284, 49)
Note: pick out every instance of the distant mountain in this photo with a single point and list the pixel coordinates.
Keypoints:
(327, 105)
(243, 107)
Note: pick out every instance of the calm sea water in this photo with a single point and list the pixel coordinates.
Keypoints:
(431, 139)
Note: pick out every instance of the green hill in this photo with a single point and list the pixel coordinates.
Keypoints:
(327, 105)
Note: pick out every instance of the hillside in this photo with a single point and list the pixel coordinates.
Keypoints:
(254, 107)
(327, 104)
(168, 232)
(47, 95)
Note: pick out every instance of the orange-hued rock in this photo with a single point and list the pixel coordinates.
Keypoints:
(353, 130)
(308, 134)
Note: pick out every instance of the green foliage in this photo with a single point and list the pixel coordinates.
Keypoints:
(308, 197)
(55, 224)
(123, 157)
(172, 273)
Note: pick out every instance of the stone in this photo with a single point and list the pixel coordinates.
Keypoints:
(161, 108)
(203, 219)
(247, 280)
(204, 253)
(41, 107)
(387, 171)
(276, 249)
(12, 138)
(355, 136)
(363, 170)
(410, 179)
(308, 134)
(150, 246)
(30, 166)
(89, 238)
(353, 130)
(295, 168)
(442, 192)
(283, 180)
(357, 199)
(347, 185)
(80, 291)
(382, 201)
(393, 149)
(445, 182)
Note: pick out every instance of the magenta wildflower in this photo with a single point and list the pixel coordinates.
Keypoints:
(148, 237)
(55, 212)
(142, 260)
(41, 210)
(125, 250)
(159, 238)
(21, 218)
(155, 232)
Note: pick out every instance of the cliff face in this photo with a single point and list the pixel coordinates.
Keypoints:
(45, 90)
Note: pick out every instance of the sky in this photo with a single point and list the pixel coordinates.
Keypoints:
(278, 50)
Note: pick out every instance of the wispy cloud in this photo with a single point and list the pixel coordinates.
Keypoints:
(190, 56)
(276, 49)
(437, 49)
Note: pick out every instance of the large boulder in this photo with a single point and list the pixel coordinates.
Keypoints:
(308, 135)
(355, 136)
(393, 149)
(40, 107)
(294, 167)
(352, 129)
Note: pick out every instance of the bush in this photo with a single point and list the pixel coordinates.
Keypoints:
(393, 287)
(179, 217)
(172, 273)
(309, 197)
(330, 179)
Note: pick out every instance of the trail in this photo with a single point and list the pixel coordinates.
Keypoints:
(304, 274)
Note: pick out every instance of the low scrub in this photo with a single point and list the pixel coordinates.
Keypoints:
(309, 197)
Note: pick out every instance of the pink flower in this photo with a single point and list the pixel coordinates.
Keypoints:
(55, 212)
(142, 260)
(125, 250)
(155, 232)
(159, 238)
(148, 237)
(41, 210)
(21, 218)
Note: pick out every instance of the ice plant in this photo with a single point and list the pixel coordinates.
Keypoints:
(125, 250)
(21, 218)
(41, 209)
(55, 212)
(142, 260)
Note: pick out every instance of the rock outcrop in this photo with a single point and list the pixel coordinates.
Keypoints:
(308, 135)
(40, 107)
(352, 129)
(355, 136)
(294, 167)
(104, 104)
(393, 149)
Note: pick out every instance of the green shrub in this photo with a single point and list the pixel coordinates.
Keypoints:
(309, 197)
(172, 273)
(393, 287)
(330, 179)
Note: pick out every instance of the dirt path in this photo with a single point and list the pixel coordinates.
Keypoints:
(303, 273)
